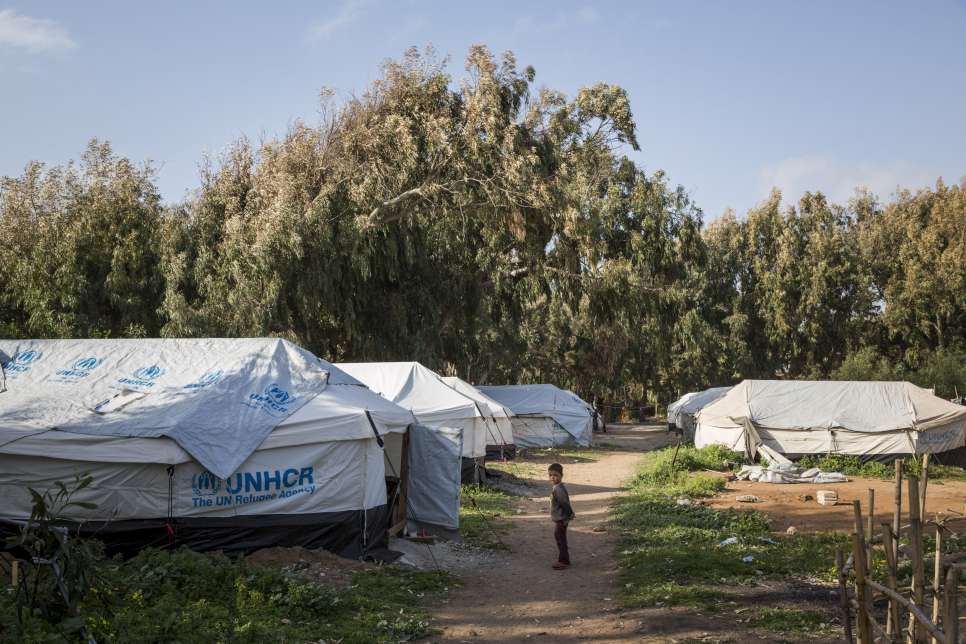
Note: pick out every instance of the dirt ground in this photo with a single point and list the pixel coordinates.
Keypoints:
(520, 598)
(785, 505)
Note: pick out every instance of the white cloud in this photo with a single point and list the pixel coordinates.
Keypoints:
(348, 13)
(32, 34)
(838, 179)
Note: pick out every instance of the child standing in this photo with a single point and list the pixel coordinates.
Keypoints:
(561, 512)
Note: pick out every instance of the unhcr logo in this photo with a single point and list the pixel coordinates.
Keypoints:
(205, 484)
(144, 377)
(77, 370)
(274, 401)
(209, 378)
(22, 360)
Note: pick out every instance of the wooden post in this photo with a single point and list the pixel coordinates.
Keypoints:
(871, 530)
(857, 515)
(937, 578)
(915, 548)
(404, 478)
(893, 619)
(896, 524)
(951, 609)
(861, 617)
(922, 487)
(14, 573)
(402, 505)
(843, 595)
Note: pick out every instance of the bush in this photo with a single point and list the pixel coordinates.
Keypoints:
(161, 596)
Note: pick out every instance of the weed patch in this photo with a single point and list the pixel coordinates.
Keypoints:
(160, 596)
(853, 466)
(675, 552)
(478, 524)
(790, 620)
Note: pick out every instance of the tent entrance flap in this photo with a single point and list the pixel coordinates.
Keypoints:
(435, 467)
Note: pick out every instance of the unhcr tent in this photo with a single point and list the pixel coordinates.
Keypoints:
(499, 435)
(432, 401)
(232, 444)
(874, 419)
(544, 415)
(681, 413)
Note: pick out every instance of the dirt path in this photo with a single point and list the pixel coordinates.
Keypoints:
(520, 598)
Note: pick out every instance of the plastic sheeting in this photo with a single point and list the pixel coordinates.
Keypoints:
(434, 485)
(217, 398)
(567, 410)
(809, 417)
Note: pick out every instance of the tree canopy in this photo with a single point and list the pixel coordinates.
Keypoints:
(495, 230)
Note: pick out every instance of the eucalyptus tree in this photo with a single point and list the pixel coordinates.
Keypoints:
(84, 240)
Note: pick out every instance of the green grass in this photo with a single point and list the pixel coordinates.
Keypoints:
(853, 466)
(670, 554)
(565, 454)
(519, 469)
(791, 620)
(185, 596)
(483, 531)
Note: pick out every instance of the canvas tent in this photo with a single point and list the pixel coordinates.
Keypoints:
(231, 444)
(681, 413)
(499, 435)
(544, 415)
(433, 402)
(872, 419)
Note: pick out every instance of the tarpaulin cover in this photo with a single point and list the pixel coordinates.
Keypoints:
(422, 391)
(500, 429)
(217, 398)
(566, 408)
(849, 417)
(693, 402)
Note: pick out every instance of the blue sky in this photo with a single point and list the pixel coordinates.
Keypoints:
(730, 98)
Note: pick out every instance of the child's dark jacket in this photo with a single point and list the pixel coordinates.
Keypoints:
(560, 508)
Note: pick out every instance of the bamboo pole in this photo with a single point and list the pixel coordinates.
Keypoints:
(897, 511)
(843, 595)
(951, 611)
(861, 616)
(893, 619)
(871, 529)
(937, 578)
(915, 551)
(922, 487)
(917, 615)
(857, 515)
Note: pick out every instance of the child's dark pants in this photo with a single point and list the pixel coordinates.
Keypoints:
(560, 534)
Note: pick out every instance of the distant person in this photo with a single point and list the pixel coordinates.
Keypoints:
(562, 513)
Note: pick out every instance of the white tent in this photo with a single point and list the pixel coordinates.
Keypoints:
(681, 413)
(231, 444)
(818, 417)
(499, 428)
(432, 401)
(544, 415)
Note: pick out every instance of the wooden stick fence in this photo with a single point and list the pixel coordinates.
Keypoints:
(935, 622)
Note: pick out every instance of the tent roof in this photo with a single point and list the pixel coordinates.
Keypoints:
(693, 402)
(853, 405)
(545, 400)
(413, 386)
(487, 404)
(216, 399)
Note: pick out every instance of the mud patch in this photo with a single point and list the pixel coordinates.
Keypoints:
(321, 566)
